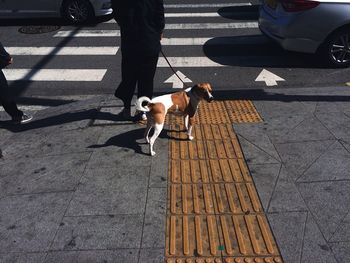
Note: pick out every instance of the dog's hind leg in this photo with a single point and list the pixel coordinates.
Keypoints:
(148, 129)
(157, 130)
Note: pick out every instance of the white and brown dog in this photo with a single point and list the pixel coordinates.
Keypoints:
(183, 102)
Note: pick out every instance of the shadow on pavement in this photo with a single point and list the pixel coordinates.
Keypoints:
(129, 140)
(64, 118)
(256, 51)
(248, 12)
(261, 95)
(124, 140)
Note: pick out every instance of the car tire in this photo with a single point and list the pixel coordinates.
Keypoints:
(335, 51)
(77, 11)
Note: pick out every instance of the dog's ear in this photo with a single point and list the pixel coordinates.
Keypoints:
(205, 86)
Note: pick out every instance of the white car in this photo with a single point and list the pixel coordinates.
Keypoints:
(318, 26)
(76, 11)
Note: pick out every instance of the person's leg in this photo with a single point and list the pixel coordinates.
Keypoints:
(148, 66)
(127, 87)
(145, 81)
(5, 99)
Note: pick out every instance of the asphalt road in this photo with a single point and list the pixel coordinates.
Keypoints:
(216, 42)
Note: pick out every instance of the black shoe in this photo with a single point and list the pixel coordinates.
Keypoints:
(140, 116)
(23, 119)
(124, 115)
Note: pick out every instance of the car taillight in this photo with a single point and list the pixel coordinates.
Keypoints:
(298, 5)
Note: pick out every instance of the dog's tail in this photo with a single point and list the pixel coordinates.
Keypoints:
(139, 103)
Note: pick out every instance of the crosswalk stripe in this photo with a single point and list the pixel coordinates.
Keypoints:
(116, 33)
(213, 25)
(188, 62)
(248, 40)
(202, 14)
(44, 51)
(205, 5)
(55, 74)
(88, 33)
(210, 14)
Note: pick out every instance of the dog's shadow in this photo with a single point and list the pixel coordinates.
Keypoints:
(133, 140)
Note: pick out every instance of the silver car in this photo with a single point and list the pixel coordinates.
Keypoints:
(76, 11)
(321, 27)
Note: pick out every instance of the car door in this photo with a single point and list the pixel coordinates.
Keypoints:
(24, 8)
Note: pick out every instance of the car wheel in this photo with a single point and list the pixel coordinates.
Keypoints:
(77, 11)
(336, 49)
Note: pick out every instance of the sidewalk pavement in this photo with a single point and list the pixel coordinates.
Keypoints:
(77, 185)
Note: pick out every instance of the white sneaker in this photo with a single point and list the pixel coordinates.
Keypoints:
(23, 119)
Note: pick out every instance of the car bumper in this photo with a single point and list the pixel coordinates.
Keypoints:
(286, 34)
(292, 44)
(102, 8)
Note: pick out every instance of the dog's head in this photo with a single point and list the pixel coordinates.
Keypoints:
(203, 91)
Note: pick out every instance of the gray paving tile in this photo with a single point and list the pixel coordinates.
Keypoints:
(345, 142)
(44, 174)
(152, 256)
(265, 176)
(337, 122)
(343, 232)
(329, 107)
(118, 145)
(288, 229)
(277, 128)
(298, 156)
(310, 129)
(328, 202)
(5, 135)
(112, 156)
(256, 134)
(341, 251)
(109, 110)
(93, 256)
(268, 109)
(286, 196)
(99, 232)
(253, 154)
(111, 190)
(154, 228)
(315, 248)
(334, 164)
(159, 165)
(29, 222)
(22, 257)
(67, 142)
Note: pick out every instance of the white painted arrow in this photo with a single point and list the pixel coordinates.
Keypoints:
(269, 78)
(177, 83)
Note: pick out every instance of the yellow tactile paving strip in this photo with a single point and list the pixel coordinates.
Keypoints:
(214, 214)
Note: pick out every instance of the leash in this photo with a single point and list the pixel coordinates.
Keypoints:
(166, 59)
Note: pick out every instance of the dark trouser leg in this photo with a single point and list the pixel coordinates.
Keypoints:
(148, 68)
(5, 99)
(127, 87)
(11, 108)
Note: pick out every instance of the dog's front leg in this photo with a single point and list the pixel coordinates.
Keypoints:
(186, 119)
(189, 130)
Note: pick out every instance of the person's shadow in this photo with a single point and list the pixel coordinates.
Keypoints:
(68, 117)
